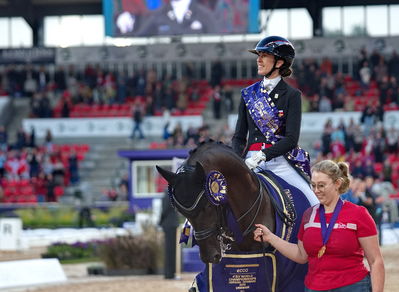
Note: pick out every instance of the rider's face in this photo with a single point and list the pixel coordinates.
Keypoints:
(265, 62)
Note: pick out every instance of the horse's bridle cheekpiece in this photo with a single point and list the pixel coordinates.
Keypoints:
(227, 229)
(216, 188)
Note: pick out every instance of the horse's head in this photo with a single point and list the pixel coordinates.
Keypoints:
(187, 194)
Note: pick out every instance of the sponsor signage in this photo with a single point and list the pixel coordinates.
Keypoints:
(28, 56)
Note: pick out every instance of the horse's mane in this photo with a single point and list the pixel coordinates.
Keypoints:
(188, 198)
(204, 145)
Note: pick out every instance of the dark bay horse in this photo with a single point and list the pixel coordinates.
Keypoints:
(244, 196)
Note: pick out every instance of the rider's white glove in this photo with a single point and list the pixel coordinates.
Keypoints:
(255, 159)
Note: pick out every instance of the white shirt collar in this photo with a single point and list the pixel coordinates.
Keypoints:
(271, 83)
(180, 8)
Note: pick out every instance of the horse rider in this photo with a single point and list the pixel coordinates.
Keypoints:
(269, 115)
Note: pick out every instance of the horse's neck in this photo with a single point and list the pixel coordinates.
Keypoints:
(250, 200)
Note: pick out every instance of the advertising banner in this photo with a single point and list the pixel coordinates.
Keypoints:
(27, 56)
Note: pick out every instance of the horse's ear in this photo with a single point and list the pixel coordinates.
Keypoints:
(168, 175)
(199, 171)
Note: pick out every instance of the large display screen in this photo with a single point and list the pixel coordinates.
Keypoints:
(142, 18)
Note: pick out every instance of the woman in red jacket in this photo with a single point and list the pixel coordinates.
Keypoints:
(334, 238)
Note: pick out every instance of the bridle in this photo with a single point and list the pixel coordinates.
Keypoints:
(221, 229)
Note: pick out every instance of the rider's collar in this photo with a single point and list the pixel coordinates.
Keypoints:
(270, 84)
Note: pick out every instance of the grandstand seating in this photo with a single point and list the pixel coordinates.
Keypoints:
(124, 110)
(361, 97)
(25, 190)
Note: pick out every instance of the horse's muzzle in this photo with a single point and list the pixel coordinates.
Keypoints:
(212, 259)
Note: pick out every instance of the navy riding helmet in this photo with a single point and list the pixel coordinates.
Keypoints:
(277, 46)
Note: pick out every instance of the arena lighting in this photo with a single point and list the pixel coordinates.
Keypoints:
(380, 44)
(142, 51)
(158, 52)
(299, 46)
(121, 42)
(103, 51)
(181, 50)
(65, 54)
(197, 51)
(339, 45)
(220, 49)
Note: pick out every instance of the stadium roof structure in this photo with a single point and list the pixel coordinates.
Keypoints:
(322, 3)
(40, 8)
(315, 7)
(33, 11)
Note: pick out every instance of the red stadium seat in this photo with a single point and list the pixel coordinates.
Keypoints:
(27, 191)
(85, 147)
(58, 191)
(394, 196)
(66, 148)
(9, 192)
(378, 166)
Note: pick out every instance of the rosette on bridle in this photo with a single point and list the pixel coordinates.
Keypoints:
(216, 188)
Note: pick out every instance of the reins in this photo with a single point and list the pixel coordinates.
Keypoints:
(203, 234)
(251, 225)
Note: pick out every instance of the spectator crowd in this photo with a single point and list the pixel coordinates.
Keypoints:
(371, 149)
(31, 173)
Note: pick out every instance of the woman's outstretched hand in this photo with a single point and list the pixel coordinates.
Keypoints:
(261, 233)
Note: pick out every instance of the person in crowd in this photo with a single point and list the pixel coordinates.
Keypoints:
(365, 75)
(384, 189)
(32, 138)
(228, 98)
(65, 109)
(270, 115)
(3, 159)
(326, 139)
(169, 222)
(325, 104)
(334, 237)
(373, 203)
(392, 139)
(217, 72)
(33, 160)
(3, 138)
(217, 99)
(86, 217)
(21, 141)
(123, 187)
(131, 14)
(50, 186)
(1, 194)
(350, 136)
(48, 141)
(178, 17)
(137, 116)
(351, 194)
(73, 167)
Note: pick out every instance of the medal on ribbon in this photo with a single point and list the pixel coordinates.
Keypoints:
(322, 250)
(326, 231)
(216, 188)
